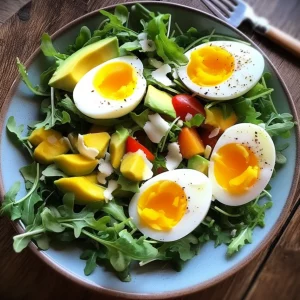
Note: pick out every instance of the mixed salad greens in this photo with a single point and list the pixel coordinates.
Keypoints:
(104, 231)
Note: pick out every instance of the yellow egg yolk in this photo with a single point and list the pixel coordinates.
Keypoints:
(236, 168)
(162, 205)
(115, 81)
(210, 66)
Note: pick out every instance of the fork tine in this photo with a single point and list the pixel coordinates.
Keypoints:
(214, 9)
(229, 4)
(222, 7)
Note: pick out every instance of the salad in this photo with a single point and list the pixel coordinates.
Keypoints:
(152, 143)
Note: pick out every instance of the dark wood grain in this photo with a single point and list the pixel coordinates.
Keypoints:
(273, 274)
(9, 8)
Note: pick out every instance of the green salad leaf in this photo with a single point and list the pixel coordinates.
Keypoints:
(48, 48)
(196, 121)
(37, 90)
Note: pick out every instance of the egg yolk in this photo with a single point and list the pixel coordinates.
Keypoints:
(210, 66)
(236, 168)
(162, 205)
(115, 81)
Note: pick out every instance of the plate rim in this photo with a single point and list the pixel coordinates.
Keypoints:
(200, 286)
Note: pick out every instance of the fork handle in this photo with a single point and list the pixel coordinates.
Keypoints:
(283, 39)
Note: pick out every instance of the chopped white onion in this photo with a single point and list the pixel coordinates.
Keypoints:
(188, 117)
(88, 152)
(105, 169)
(207, 151)
(111, 187)
(214, 133)
(156, 128)
(160, 75)
(174, 157)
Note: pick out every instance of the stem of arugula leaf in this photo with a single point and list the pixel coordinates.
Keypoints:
(216, 208)
(133, 231)
(29, 233)
(262, 194)
(127, 21)
(166, 135)
(180, 85)
(35, 183)
(270, 98)
(210, 224)
(52, 106)
(260, 95)
(178, 28)
(169, 26)
(102, 23)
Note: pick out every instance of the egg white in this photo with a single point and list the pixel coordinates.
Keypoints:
(261, 144)
(198, 190)
(93, 105)
(248, 68)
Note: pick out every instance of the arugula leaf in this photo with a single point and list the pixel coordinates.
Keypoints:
(24, 76)
(128, 185)
(48, 48)
(140, 119)
(42, 240)
(80, 220)
(183, 247)
(280, 128)
(91, 257)
(29, 174)
(16, 133)
(158, 163)
(46, 76)
(121, 12)
(12, 127)
(131, 46)
(50, 221)
(53, 171)
(28, 215)
(166, 48)
(244, 237)
(245, 111)
(68, 104)
(114, 24)
(54, 116)
(8, 207)
(196, 121)
(21, 241)
(116, 211)
(82, 39)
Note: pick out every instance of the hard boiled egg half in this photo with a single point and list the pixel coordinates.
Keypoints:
(112, 89)
(222, 70)
(172, 204)
(241, 164)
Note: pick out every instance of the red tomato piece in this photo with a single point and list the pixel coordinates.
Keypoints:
(205, 133)
(186, 104)
(132, 145)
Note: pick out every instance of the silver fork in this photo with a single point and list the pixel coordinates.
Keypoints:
(235, 12)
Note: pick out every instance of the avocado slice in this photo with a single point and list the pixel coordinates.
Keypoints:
(198, 163)
(79, 63)
(159, 101)
(117, 146)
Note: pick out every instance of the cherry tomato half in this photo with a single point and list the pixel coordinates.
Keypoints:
(132, 145)
(205, 133)
(186, 104)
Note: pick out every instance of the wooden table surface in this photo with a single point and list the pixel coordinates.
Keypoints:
(274, 274)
